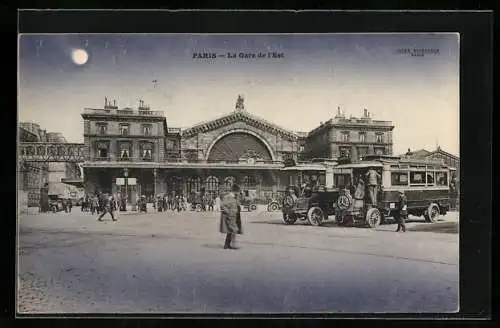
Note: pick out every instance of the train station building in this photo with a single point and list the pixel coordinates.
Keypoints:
(135, 152)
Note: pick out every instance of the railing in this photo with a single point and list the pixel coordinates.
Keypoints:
(202, 161)
(125, 112)
(361, 121)
(134, 159)
(130, 159)
(174, 130)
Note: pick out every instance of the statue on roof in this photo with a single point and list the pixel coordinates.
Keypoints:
(239, 103)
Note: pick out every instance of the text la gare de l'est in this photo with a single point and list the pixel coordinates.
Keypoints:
(240, 55)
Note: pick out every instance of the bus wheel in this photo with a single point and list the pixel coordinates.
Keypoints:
(198, 207)
(432, 213)
(315, 216)
(373, 218)
(252, 207)
(289, 218)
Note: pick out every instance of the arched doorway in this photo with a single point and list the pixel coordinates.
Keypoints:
(249, 182)
(237, 145)
(194, 185)
(229, 182)
(212, 187)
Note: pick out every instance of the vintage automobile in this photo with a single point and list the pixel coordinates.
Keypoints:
(274, 205)
(312, 204)
(248, 200)
(424, 182)
(196, 201)
(55, 204)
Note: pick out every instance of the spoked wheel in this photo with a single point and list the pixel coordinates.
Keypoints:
(432, 213)
(289, 219)
(252, 207)
(315, 216)
(198, 208)
(373, 218)
(273, 207)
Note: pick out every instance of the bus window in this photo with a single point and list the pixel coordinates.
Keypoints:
(417, 177)
(322, 179)
(341, 180)
(399, 178)
(430, 178)
(441, 178)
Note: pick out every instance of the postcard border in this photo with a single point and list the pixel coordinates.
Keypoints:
(475, 30)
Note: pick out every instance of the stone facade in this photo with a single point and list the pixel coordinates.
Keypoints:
(237, 137)
(353, 137)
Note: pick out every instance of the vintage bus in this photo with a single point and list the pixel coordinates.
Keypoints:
(425, 183)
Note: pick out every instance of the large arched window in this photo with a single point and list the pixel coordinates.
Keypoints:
(194, 184)
(249, 183)
(212, 186)
(229, 182)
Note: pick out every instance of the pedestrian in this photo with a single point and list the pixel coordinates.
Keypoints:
(70, 205)
(109, 207)
(143, 205)
(94, 205)
(230, 219)
(373, 178)
(217, 203)
(64, 205)
(211, 202)
(401, 212)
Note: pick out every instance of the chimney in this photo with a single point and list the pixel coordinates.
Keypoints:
(114, 102)
(365, 112)
(105, 102)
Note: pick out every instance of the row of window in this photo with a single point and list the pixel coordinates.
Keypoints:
(345, 137)
(362, 151)
(212, 184)
(417, 178)
(405, 178)
(124, 150)
(124, 129)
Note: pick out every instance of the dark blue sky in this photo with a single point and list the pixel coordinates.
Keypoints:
(317, 74)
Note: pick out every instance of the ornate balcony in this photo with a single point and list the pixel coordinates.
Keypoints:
(123, 112)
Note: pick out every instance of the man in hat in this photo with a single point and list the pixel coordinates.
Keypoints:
(230, 219)
(109, 205)
(373, 178)
(401, 212)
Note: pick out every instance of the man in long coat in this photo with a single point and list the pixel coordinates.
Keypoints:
(401, 212)
(373, 178)
(230, 218)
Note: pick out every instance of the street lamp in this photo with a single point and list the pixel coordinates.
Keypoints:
(125, 174)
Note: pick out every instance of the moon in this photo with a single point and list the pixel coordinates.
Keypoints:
(79, 56)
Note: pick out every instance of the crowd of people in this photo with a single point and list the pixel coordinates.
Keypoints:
(161, 203)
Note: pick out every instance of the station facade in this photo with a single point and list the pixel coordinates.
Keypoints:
(238, 147)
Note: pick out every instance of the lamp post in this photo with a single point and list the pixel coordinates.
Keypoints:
(125, 174)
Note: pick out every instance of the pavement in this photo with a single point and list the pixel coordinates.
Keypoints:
(174, 262)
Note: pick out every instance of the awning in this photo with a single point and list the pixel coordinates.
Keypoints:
(74, 182)
(359, 165)
(64, 190)
(310, 167)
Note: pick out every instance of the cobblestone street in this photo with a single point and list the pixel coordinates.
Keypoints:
(174, 262)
